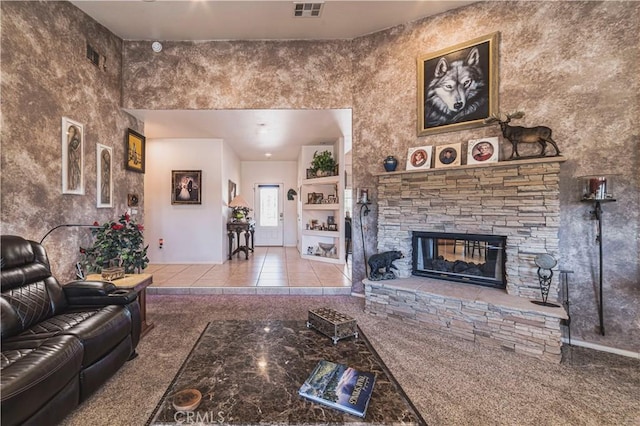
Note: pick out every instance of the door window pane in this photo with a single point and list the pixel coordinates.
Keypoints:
(268, 206)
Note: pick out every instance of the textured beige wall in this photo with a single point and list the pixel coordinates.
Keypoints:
(45, 76)
(571, 66)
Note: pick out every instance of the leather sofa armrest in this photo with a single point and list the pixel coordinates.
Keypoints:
(97, 293)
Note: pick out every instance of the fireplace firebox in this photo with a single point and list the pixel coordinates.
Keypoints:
(469, 258)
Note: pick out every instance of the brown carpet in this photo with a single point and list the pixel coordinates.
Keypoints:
(450, 381)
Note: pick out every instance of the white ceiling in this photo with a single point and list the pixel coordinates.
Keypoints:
(286, 130)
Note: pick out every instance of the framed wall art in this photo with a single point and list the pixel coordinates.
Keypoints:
(481, 151)
(135, 149)
(186, 186)
(233, 191)
(104, 171)
(419, 158)
(72, 157)
(448, 155)
(458, 86)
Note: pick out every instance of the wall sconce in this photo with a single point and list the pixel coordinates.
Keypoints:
(598, 189)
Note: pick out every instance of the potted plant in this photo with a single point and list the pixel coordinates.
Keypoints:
(117, 243)
(323, 163)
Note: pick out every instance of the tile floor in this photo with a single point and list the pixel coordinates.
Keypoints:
(269, 270)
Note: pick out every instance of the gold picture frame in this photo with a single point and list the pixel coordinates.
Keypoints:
(135, 146)
(458, 86)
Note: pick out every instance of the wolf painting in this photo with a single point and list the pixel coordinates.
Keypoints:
(457, 91)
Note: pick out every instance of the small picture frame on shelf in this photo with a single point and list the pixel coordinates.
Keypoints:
(332, 199)
(318, 197)
(311, 197)
(332, 227)
(419, 158)
(482, 151)
(448, 155)
(331, 220)
(311, 174)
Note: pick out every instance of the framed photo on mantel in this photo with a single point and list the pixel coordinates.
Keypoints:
(448, 155)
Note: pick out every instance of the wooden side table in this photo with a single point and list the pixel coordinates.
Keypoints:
(248, 228)
(139, 284)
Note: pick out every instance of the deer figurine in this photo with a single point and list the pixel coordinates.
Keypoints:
(517, 134)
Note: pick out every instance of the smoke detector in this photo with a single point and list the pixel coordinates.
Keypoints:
(156, 46)
(307, 10)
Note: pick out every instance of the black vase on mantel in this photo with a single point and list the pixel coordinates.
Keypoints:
(390, 163)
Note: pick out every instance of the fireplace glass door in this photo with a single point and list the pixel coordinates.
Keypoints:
(469, 258)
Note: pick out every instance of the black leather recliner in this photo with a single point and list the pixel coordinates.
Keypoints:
(59, 343)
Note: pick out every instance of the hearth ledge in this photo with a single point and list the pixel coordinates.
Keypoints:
(468, 293)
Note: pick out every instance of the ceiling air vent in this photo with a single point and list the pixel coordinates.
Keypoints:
(307, 10)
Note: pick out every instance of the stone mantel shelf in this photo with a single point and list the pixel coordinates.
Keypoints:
(507, 163)
(470, 293)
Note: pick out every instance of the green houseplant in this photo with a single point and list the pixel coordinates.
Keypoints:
(323, 163)
(117, 243)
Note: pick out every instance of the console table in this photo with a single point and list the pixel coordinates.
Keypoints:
(238, 228)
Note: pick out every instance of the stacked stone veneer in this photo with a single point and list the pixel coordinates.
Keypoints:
(517, 199)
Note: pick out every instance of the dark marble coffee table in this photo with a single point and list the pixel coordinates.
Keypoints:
(249, 372)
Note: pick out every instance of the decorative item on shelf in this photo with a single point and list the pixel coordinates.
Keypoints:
(240, 208)
(327, 249)
(516, 134)
(545, 263)
(419, 157)
(448, 155)
(481, 151)
(323, 164)
(117, 244)
(598, 189)
(390, 163)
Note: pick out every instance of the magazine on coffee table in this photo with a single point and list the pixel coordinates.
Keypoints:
(339, 386)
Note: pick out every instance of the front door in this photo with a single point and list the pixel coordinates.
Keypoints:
(269, 215)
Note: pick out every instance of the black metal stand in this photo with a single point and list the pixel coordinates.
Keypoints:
(545, 276)
(564, 280)
(597, 214)
(364, 206)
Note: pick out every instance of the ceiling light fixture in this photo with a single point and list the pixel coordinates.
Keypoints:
(156, 46)
(268, 155)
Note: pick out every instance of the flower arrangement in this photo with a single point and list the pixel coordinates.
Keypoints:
(117, 243)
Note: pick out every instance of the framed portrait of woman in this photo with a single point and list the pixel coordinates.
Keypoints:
(483, 151)
(419, 157)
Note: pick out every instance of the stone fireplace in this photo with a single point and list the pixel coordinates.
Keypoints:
(516, 200)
